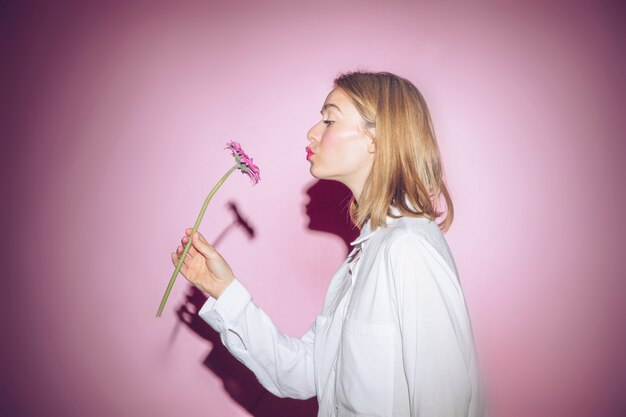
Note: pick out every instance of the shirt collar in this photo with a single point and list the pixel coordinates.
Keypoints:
(366, 231)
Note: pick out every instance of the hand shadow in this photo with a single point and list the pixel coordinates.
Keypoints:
(327, 212)
(239, 382)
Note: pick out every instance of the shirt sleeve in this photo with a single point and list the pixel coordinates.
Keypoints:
(433, 321)
(282, 364)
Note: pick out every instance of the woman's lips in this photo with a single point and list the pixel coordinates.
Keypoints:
(309, 153)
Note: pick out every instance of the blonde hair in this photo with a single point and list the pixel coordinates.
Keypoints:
(407, 163)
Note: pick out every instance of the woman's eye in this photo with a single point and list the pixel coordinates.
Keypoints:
(328, 122)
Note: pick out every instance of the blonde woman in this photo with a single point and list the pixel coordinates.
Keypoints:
(394, 336)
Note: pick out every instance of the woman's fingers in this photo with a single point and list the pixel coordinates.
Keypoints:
(194, 245)
(191, 254)
(199, 246)
(179, 253)
(203, 246)
(192, 250)
(183, 269)
(202, 239)
(208, 272)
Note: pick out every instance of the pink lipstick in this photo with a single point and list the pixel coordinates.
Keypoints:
(309, 153)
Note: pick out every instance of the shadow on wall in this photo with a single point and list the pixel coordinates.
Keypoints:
(239, 382)
(327, 212)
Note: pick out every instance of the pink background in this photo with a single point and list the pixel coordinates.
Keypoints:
(115, 119)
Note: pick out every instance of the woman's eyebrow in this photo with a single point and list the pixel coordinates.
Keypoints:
(327, 105)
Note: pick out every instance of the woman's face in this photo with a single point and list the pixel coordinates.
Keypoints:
(340, 150)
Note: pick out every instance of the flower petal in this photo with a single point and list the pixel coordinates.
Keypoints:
(244, 161)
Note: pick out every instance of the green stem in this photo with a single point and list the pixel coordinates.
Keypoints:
(188, 245)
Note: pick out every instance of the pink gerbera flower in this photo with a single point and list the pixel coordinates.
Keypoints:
(245, 162)
(245, 165)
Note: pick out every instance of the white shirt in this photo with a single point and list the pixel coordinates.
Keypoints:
(393, 338)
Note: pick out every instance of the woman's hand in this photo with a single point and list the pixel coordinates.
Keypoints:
(204, 267)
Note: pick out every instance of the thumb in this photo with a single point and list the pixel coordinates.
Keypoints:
(202, 247)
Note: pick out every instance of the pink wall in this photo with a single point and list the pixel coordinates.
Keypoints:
(116, 120)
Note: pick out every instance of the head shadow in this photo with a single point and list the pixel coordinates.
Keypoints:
(327, 210)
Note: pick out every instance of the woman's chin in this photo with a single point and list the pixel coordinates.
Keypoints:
(314, 172)
(321, 174)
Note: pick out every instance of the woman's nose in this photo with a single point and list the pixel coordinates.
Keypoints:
(312, 134)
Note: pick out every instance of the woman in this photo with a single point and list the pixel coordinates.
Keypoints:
(394, 336)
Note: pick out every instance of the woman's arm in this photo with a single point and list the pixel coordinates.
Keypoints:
(433, 324)
(282, 364)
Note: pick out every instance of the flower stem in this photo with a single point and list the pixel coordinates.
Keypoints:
(188, 245)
